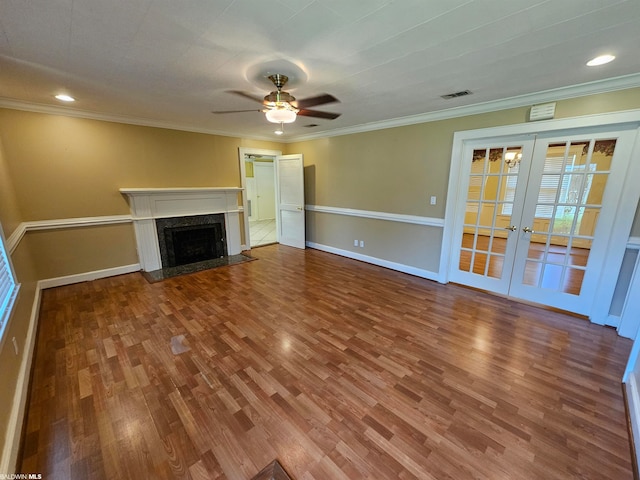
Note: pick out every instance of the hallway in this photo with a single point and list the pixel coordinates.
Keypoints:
(262, 232)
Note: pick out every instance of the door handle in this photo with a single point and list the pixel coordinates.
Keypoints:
(299, 208)
(527, 230)
(513, 228)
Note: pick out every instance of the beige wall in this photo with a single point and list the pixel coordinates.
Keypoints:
(9, 211)
(339, 232)
(55, 167)
(69, 251)
(396, 170)
(65, 167)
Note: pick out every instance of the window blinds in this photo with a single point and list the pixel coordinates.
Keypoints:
(8, 287)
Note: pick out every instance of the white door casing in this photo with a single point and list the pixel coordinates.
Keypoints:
(290, 200)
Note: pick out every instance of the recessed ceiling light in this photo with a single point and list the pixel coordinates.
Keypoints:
(601, 60)
(65, 98)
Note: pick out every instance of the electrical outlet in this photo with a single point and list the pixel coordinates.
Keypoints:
(15, 345)
(433, 199)
(361, 243)
(355, 243)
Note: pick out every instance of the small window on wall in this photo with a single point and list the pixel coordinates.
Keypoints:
(8, 286)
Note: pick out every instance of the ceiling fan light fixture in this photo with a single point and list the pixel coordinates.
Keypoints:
(281, 114)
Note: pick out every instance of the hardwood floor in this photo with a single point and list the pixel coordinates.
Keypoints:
(337, 368)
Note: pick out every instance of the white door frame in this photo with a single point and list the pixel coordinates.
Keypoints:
(242, 151)
(625, 212)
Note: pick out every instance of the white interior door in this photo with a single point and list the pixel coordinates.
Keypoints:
(290, 200)
(489, 214)
(537, 215)
(263, 173)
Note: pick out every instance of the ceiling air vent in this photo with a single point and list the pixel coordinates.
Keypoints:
(457, 94)
(311, 125)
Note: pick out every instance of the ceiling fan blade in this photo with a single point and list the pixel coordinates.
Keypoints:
(318, 114)
(235, 111)
(313, 101)
(247, 95)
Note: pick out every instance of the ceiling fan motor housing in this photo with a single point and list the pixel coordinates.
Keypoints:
(278, 96)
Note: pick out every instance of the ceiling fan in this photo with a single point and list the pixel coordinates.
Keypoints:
(282, 107)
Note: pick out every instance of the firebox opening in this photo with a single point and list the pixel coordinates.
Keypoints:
(194, 244)
(186, 240)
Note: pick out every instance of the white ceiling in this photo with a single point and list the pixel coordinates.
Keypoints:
(171, 62)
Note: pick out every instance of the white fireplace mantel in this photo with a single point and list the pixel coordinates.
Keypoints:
(149, 204)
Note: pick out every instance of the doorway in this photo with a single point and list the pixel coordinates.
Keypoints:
(261, 198)
(537, 215)
(288, 187)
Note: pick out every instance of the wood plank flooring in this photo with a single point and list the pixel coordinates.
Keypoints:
(337, 368)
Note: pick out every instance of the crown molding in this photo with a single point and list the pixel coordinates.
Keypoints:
(556, 94)
(112, 117)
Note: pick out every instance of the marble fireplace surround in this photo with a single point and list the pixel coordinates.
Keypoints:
(149, 204)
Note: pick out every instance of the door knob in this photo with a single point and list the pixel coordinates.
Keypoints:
(299, 208)
(513, 228)
(527, 230)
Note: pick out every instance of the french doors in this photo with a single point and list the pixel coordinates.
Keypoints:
(536, 214)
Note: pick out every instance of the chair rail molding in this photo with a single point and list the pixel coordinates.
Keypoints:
(392, 217)
(14, 239)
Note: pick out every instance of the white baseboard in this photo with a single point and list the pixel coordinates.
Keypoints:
(88, 276)
(19, 404)
(400, 267)
(633, 407)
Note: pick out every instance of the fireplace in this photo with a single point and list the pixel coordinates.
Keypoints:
(185, 240)
(202, 222)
